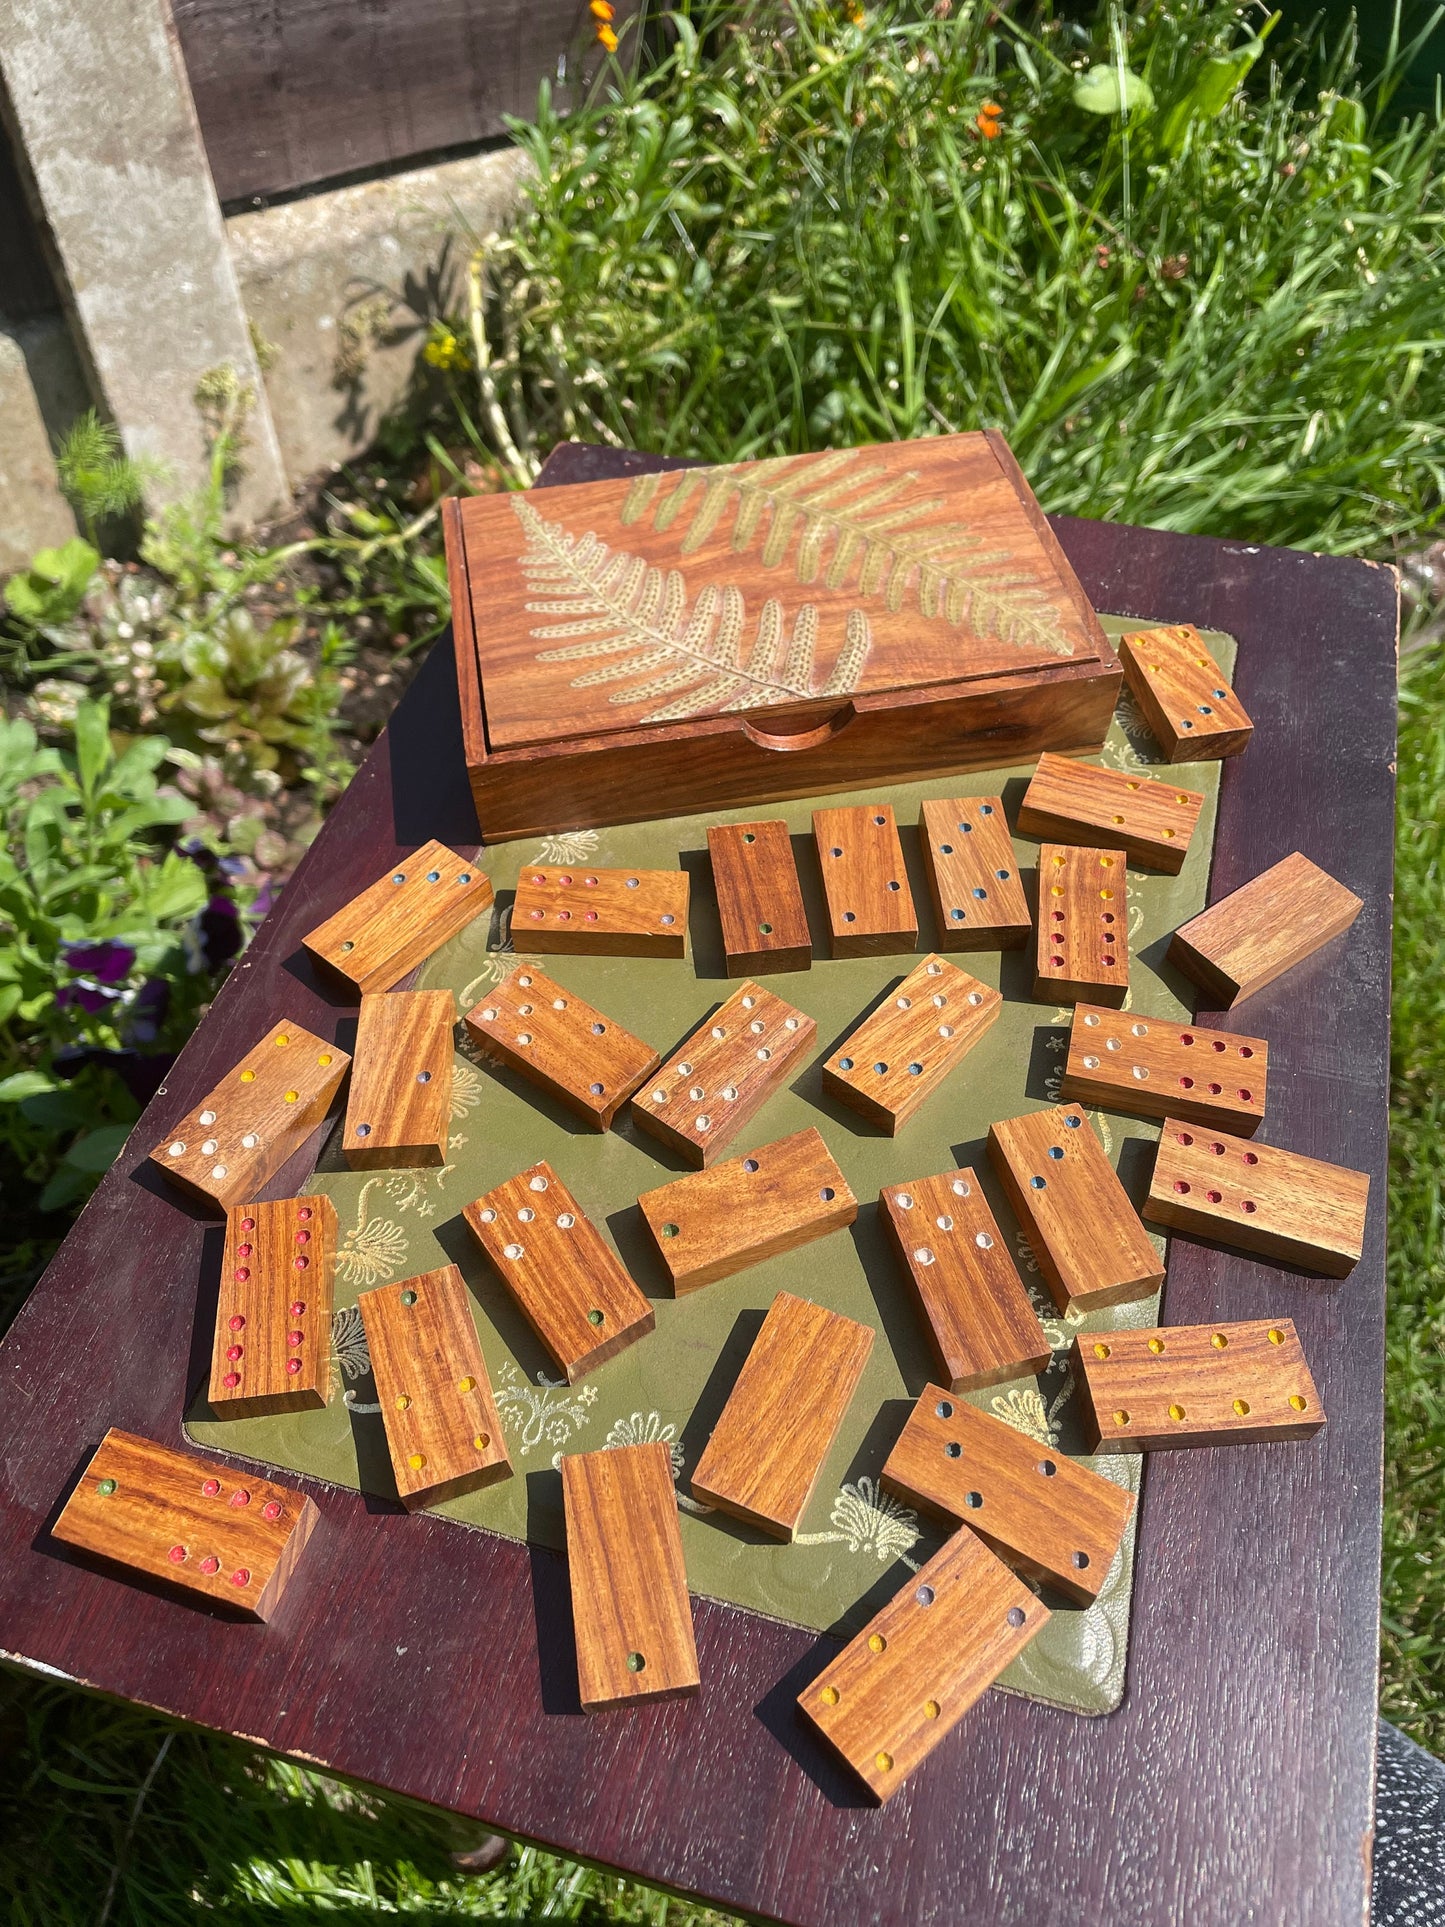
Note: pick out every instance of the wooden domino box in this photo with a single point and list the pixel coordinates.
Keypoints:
(715, 1083)
(771, 1438)
(272, 1346)
(556, 1040)
(1299, 1210)
(1082, 947)
(1070, 802)
(1247, 939)
(1185, 696)
(865, 883)
(238, 1136)
(601, 913)
(1228, 1384)
(373, 941)
(399, 1107)
(759, 898)
(1158, 1067)
(973, 874)
(903, 1049)
(229, 1537)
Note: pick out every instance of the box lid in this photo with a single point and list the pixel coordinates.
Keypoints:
(787, 585)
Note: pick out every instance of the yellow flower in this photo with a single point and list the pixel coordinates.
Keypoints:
(857, 13)
(444, 349)
(602, 9)
(607, 37)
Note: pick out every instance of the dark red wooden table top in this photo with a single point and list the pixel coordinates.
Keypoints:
(1237, 1780)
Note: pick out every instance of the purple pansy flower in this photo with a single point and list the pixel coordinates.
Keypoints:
(108, 962)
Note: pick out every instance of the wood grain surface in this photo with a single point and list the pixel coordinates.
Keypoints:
(865, 882)
(909, 1677)
(631, 1615)
(978, 895)
(980, 1324)
(712, 1223)
(194, 1524)
(1082, 948)
(1185, 696)
(717, 1080)
(1158, 1067)
(1264, 928)
(1047, 1516)
(1259, 1197)
(573, 911)
(1081, 1227)
(1251, 1705)
(763, 1457)
(398, 921)
(1230, 1383)
(272, 1346)
(556, 1040)
(759, 898)
(443, 1435)
(241, 1133)
(1072, 802)
(568, 1282)
(399, 1106)
(907, 1045)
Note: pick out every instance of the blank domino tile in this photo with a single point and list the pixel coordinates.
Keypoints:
(1082, 950)
(567, 1281)
(230, 1537)
(1085, 1234)
(903, 1050)
(914, 1671)
(973, 876)
(601, 913)
(759, 899)
(558, 1041)
(1044, 1515)
(243, 1132)
(630, 1609)
(1158, 1067)
(442, 1430)
(1247, 939)
(715, 1222)
(980, 1325)
(1185, 697)
(272, 1348)
(1259, 1198)
(716, 1081)
(399, 1107)
(1071, 802)
(407, 914)
(1236, 1384)
(782, 1416)
(865, 884)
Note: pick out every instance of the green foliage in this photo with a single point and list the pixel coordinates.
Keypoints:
(49, 593)
(96, 476)
(241, 686)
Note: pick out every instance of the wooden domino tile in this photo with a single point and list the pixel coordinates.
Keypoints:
(442, 1430)
(712, 1223)
(1085, 1234)
(559, 1042)
(226, 1536)
(903, 1050)
(601, 913)
(1047, 1517)
(980, 1325)
(1247, 939)
(1184, 694)
(713, 1084)
(973, 874)
(1236, 1384)
(782, 1416)
(272, 1347)
(1082, 947)
(239, 1135)
(630, 1609)
(407, 914)
(1278, 1203)
(1071, 802)
(865, 884)
(914, 1671)
(1158, 1067)
(759, 899)
(399, 1107)
(567, 1281)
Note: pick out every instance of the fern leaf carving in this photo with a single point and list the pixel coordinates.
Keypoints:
(854, 519)
(634, 620)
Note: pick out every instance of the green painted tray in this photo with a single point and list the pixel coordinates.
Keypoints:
(855, 1544)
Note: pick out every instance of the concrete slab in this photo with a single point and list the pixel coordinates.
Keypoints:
(42, 388)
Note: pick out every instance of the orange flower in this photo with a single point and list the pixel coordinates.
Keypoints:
(990, 120)
(607, 37)
(602, 9)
